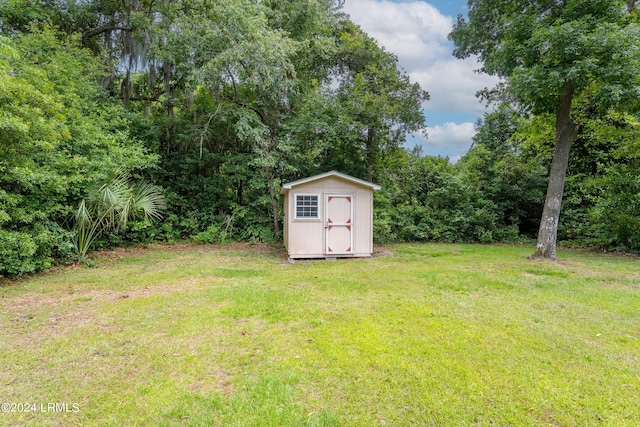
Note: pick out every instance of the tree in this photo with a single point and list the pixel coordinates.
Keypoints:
(504, 171)
(549, 52)
(57, 135)
(268, 66)
(381, 102)
(247, 65)
(233, 97)
(117, 31)
(423, 198)
(603, 186)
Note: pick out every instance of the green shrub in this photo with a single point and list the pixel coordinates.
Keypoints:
(616, 215)
(213, 234)
(16, 253)
(256, 233)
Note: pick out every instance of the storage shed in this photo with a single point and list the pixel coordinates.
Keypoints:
(328, 215)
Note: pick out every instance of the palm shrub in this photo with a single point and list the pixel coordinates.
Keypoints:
(111, 206)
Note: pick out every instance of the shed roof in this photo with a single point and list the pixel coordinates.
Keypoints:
(354, 180)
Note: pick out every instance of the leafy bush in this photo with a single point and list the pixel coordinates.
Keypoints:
(213, 234)
(427, 199)
(616, 214)
(17, 252)
(58, 134)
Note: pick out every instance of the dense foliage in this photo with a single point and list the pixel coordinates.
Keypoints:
(219, 103)
(58, 135)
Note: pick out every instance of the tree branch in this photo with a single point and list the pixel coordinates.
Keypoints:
(145, 98)
(100, 30)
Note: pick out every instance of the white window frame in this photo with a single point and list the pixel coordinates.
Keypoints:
(295, 207)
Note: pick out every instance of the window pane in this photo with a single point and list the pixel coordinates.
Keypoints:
(306, 206)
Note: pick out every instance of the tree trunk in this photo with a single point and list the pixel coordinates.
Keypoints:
(566, 132)
(239, 193)
(274, 198)
(126, 91)
(370, 153)
(168, 90)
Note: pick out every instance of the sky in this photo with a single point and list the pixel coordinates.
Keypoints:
(416, 31)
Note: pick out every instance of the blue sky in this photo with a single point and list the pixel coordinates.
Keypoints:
(416, 31)
(450, 7)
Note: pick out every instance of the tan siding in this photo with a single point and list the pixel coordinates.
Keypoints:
(285, 225)
(306, 237)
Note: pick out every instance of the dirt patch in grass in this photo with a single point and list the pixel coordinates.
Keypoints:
(109, 256)
(216, 380)
(61, 298)
(381, 251)
(61, 312)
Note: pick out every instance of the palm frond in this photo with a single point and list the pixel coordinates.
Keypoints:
(148, 199)
(112, 205)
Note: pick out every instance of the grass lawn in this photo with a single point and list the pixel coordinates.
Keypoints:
(442, 335)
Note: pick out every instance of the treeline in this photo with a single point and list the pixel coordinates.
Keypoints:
(496, 192)
(219, 103)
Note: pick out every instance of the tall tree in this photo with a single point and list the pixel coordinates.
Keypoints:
(247, 65)
(383, 105)
(549, 52)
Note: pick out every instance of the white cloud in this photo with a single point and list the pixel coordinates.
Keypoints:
(453, 84)
(448, 139)
(389, 17)
(452, 135)
(417, 33)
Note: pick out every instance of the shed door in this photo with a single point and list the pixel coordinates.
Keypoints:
(339, 224)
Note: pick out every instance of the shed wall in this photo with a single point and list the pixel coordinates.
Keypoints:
(285, 225)
(305, 238)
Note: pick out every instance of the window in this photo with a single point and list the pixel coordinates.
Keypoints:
(306, 206)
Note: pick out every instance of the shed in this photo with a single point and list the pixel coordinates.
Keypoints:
(328, 215)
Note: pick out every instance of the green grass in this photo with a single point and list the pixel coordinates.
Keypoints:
(442, 335)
